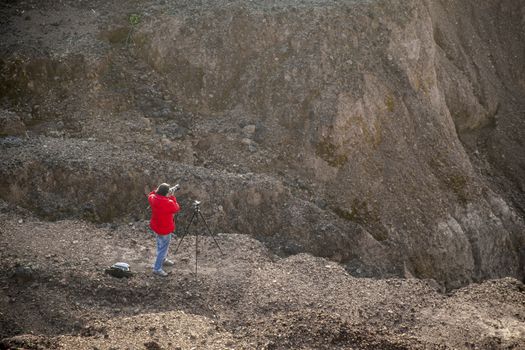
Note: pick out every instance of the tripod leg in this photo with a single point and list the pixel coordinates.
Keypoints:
(196, 248)
(211, 234)
(184, 234)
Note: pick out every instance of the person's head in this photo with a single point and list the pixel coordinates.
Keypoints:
(163, 189)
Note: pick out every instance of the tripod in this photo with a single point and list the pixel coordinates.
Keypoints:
(194, 218)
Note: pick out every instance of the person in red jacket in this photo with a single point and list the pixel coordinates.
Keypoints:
(163, 208)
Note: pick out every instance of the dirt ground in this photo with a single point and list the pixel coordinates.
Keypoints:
(55, 294)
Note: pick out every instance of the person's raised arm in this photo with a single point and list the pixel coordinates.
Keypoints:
(175, 206)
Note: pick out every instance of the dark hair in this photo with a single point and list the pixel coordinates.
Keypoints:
(163, 189)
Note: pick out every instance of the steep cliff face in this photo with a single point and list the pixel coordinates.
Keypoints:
(389, 134)
(479, 61)
(379, 107)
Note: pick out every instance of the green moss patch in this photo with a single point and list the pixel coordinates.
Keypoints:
(458, 184)
(331, 154)
(389, 102)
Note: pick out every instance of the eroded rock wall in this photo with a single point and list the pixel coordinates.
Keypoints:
(388, 132)
(369, 102)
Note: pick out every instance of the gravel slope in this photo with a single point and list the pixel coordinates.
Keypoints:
(54, 284)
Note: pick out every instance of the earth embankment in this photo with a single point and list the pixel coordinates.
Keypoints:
(398, 123)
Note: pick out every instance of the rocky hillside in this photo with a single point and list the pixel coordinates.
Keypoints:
(384, 135)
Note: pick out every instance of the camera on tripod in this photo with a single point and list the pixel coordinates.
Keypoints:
(196, 215)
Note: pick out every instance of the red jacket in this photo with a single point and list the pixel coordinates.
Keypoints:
(162, 211)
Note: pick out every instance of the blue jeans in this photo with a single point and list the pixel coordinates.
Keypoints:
(163, 243)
